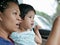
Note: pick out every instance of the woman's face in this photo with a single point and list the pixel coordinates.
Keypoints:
(28, 21)
(10, 18)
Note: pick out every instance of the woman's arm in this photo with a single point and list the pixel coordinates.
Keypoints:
(54, 37)
(38, 38)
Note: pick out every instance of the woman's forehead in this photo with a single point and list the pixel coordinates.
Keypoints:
(10, 4)
(13, 6)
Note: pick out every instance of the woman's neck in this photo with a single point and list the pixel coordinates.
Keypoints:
(4, 34)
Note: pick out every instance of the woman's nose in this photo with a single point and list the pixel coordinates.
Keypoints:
(19, 18)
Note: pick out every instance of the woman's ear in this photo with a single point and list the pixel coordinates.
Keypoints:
(0, 16)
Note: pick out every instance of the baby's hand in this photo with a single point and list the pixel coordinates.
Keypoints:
(37, 27)
(38, 37)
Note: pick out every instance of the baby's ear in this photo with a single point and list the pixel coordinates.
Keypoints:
(0, 16)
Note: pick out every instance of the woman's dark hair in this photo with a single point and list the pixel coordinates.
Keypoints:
(4, 4)
(24, 9)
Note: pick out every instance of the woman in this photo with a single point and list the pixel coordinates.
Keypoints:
(9, 20)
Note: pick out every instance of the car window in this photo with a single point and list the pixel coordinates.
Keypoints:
(42, 22)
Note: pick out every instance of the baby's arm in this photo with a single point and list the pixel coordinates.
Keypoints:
(38, 38)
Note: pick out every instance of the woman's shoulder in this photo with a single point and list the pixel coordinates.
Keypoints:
(5, 42)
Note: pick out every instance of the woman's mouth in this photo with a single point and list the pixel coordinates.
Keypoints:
(17, 25)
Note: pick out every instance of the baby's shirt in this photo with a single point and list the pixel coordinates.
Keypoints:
(24, 38)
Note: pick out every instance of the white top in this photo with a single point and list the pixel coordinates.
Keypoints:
(24, 38)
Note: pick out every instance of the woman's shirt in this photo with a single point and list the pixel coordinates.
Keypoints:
(24, 38)
(5, 42)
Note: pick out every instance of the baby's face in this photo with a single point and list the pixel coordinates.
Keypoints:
(28, 21)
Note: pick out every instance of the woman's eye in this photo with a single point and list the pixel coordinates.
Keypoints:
(15, 13)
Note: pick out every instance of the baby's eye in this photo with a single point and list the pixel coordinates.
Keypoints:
(30, 17)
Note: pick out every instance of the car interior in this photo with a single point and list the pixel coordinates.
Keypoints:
(46, 12)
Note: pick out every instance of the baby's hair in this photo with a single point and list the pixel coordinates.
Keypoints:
(4, 4)
(24, 9)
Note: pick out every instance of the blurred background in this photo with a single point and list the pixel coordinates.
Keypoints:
(46, 12)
